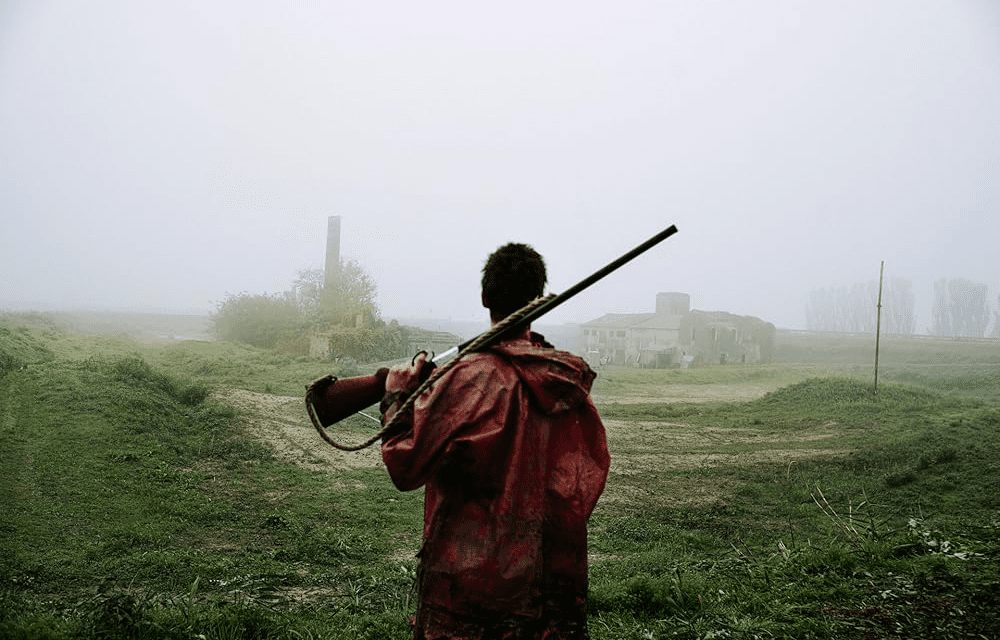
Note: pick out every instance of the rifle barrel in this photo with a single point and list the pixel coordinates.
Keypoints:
(580, 286)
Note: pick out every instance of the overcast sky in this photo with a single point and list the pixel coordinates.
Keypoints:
(161, 154)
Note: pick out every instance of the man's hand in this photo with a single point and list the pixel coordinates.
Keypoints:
(405, 378)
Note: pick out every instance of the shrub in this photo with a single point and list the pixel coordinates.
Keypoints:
(257, 320)
(8, 363)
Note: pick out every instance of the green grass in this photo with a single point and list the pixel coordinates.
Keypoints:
(848, 544)
(958, 366)
(240, 366)
(135, 506)
(23, 344)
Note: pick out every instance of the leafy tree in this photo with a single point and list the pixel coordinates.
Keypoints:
(308, 290)
(285, 321)
(339, 299)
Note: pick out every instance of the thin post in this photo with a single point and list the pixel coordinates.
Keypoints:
(878, 322)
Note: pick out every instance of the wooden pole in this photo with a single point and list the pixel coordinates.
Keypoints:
(878, 322)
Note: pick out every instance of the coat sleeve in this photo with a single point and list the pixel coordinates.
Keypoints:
(453, 407)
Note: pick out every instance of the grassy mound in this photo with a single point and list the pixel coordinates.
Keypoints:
(136, 507)
(21, 344)
(839, 391)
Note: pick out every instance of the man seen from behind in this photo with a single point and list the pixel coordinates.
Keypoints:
(512, 456)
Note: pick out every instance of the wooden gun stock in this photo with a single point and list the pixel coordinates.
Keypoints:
(334, 399)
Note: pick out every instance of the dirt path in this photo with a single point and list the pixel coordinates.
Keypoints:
(637, 447)
(281, 423)
(695, 393)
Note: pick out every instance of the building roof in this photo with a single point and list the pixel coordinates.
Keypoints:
(634, 321)
(660, 321)
(617, 320)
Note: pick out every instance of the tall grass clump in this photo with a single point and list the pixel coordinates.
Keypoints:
(138, 373)
(21, 345)
(8, 363)
(240, 366)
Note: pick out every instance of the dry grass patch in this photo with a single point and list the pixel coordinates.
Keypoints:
(281, 423)
(679, 457)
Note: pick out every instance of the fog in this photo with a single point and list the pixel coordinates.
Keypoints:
(159, 155)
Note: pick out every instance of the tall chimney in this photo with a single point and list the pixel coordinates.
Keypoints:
(332, 249)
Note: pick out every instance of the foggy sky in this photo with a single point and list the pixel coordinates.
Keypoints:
(161, 154)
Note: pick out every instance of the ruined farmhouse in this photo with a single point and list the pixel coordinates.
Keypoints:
(676, 336)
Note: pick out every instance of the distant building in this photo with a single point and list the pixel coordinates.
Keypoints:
(676, 336)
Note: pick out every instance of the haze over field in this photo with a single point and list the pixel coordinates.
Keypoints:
(159, 155)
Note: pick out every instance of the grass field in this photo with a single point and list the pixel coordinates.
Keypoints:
(176, 490)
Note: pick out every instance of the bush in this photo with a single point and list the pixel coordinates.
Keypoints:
(8, 363)
(257, 320)
(367, 345)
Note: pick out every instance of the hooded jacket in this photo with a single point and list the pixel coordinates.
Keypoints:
(513, 457)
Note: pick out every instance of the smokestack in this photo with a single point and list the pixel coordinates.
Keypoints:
(332, 249)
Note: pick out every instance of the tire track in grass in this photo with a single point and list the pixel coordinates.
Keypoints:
(677, 454)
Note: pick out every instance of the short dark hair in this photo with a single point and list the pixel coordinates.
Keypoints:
(513, 276)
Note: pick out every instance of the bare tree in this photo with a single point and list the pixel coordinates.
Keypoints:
(940, 309)
(862, 307)
(821, 311)
(996, 319)
(898, 306)
(854, 308)
(969, 310)
(960, 308)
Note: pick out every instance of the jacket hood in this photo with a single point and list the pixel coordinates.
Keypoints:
(558, 380)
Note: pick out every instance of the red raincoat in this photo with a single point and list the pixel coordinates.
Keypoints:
(514, 457)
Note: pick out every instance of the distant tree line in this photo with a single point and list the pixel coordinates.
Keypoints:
(855, 308)
(996, 320)
(342, 307)
(960, 308)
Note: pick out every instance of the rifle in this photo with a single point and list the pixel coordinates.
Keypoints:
(329, 399)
